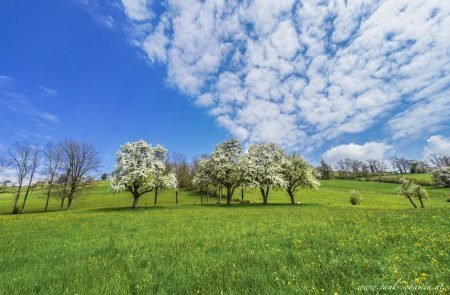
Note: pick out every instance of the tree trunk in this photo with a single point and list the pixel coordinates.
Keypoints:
(207, 196)
(220, 195)
(201, 198)
(50, 184)
(229, 195)
(264, 194)
(420, 200)
(16, 200)
(291, 194)
(242, 194)
(156, 196)
(176, 197)
(26, 196)
(62, 204)
(69, 203)
(409, 198)
(48, 198)
(135, 202)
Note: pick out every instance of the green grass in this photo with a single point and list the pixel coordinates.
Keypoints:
(422, 179)
(323, 244)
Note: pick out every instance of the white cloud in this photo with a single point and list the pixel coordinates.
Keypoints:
(303, 73)
(49, 91)
(20, 104)
(437, 144)
(138, 10)
(369, 150)
(5, 80)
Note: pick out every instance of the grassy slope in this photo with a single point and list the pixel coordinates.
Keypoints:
(323, 244)
(422, 178)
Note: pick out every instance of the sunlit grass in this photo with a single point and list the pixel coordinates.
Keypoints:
(324, 243)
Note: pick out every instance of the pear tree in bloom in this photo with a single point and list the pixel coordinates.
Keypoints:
(162, 179)
(223, 166)
(297, 174)
(263, 167)
(138, 170)
(202, 179)
(411, 190)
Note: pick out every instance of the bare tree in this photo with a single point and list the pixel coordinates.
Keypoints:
(179, 164)
(34, 162)
(377, 167)
(4, 163)
(78, 160)
(52, 164)
(401, 165)
(439, 160)
(20, 155)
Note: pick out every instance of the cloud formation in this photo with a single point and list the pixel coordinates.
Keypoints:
(369, 150)
(437, 144)
(297, 72)
(19, 103)
(48, 91)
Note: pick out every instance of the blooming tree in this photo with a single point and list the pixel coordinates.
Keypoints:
(410, 190)
(202, 178)
(140, 168)
(223, 167)
(297, 174)
(162, 179)
(263, 167)
(441, 176)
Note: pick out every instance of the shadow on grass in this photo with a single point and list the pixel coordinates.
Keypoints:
(184, 206)
(127, 209)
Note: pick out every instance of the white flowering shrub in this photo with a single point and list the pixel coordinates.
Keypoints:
(441, 176)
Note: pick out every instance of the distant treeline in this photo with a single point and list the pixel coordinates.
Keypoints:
(353, 168)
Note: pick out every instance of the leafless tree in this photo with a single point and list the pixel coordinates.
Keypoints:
(78, 160)
(401, 165)
(439, 160)
(377, 167)
(52, 164)
(4, 163)
(34, 162)
(20, 154)
(179, 164)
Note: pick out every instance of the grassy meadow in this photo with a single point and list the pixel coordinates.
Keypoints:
(323, 245)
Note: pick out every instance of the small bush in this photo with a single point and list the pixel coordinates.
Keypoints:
(245, 202)
(355, 197)
(237, 200)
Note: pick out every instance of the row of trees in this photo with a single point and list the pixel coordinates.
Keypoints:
(65, 166)
(353, 168)
(263, 166)
(141, 168)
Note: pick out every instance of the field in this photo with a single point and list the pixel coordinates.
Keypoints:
(422, 179)
(323, 245)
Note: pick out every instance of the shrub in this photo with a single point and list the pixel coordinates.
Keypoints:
(441, 176)
(355, 197)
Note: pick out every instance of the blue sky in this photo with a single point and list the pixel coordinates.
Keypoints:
(367, 79)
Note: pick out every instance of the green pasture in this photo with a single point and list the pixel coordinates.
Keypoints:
(323, 245)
